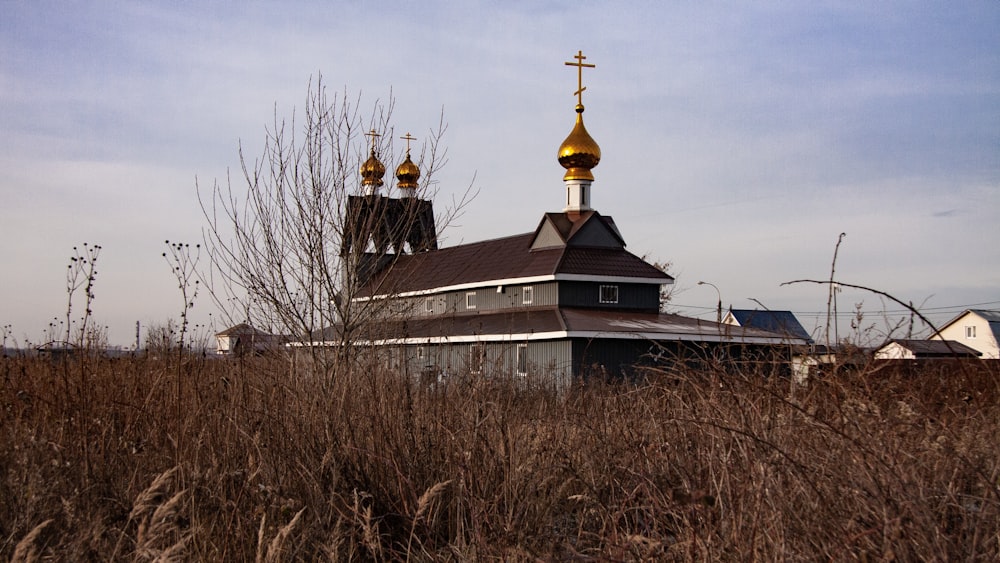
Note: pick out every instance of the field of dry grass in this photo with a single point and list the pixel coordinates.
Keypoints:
(239, 460)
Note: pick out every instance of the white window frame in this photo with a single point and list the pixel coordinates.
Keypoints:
(527, 295)
(470, 300)
(609, 300)
(429, 305)
(970, 331)
(521, 361)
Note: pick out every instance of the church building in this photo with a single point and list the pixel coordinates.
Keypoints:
(564, 301)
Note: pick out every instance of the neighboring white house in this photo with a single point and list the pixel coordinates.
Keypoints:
(976, 328)
(243, 338)
(924, 350)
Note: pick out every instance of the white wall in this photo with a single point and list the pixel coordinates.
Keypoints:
(984, 340)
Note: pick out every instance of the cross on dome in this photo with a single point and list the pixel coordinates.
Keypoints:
(372, 170)
(408, 138)
(374, 137)
(407, 173)
(580, 65)
(579, 153)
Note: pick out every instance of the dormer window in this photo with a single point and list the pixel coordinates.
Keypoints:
(609, 294)
(470, 300)
(527, 295)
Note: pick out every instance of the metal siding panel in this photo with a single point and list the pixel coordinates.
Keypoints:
(487, 299)
(612, 358)
(549, 362)
(644, 297)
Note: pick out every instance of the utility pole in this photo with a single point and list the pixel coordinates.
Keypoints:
(718, 309)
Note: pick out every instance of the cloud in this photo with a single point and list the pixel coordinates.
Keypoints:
(738, 140)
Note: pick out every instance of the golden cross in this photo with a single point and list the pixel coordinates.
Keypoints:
(579, 64)
(374, 136)
(408, 138)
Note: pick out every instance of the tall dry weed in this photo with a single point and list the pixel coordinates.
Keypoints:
(276, 548)
(28, 550)
(703, 463)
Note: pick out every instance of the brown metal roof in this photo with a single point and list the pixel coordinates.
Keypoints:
(607, 262)
(242, 329)
(551, 322)
(603, 323)
(504, 258)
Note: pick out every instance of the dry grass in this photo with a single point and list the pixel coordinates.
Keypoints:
(144, 459)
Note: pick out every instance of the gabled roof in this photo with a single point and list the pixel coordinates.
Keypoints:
(935, 348)
(507, 260)
(587, 229)
(242, 329)
(991, 317)
(779, 322)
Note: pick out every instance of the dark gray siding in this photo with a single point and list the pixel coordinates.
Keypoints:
(609, 359)
(640, 297)
(595, 234)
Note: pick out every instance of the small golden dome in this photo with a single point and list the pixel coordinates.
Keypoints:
(372, 171)
(579, 153)
(407, 173)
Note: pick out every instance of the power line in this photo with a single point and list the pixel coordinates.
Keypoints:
(954, 309)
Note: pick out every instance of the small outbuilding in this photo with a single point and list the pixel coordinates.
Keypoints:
(244, 339)
(925, 350)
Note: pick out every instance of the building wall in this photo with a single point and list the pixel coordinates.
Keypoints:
(893, 351)
(640, 297)
(486, 299)
(509, 297)
(548, 361)
(631, 296)
(984, 341)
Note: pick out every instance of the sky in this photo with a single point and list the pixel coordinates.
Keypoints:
(738, 139)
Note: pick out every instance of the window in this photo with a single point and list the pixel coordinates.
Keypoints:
(470, 300)
(970, 331)
(477, 356)
(522, 359)
(429, 305)
(527, 295)
(609, 294)
(420, 352)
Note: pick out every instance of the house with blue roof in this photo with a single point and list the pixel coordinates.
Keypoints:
(777, 322)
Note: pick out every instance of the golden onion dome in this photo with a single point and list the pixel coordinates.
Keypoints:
(372, 171)
(579, 153)
(407, 173)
